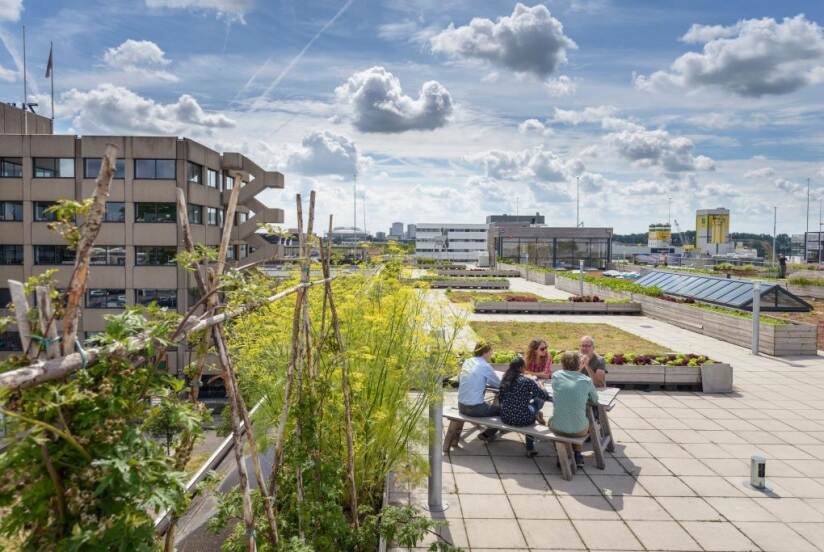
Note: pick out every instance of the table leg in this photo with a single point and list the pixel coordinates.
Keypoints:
(567, 467)
(595, 437)
(607, 430)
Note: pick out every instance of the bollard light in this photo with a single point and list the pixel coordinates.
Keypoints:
(758, 471)
(581, 277)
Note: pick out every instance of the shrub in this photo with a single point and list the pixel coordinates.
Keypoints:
(521, 299)
(586, 299)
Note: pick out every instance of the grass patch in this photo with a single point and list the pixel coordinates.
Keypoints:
(462, 296)
(804, 281)
(515, 336)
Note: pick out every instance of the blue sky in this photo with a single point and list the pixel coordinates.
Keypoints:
(451, 110)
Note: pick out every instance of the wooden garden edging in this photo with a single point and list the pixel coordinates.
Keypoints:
(544, 307)
(789, 339)
(816, 292)
(468, 283)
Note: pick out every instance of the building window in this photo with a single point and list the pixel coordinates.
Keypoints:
(53, 255)
(155, 212)
(195, 213)
(91, 168)
(156, 255)
(40, 211)
(115, 212)
(11, 254)
(212, 179)
(53, 167)
(11, 167)
(221, 217)
(212, 216)
(163, 297)
(154, 169)
(10, 341)
(11, 211)
(242, 217)
(243, 251)
(230, 253)
(194, 172)
(111, 255)
(228, 182)
(106, 298)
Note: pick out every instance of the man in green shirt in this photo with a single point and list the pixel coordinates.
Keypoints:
(571, 391)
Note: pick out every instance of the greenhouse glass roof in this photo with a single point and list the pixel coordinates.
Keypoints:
(736, 294)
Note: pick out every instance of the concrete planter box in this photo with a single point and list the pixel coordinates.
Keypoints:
(537, 276)
(816, 292)
(468, 283)
(537, 307)
(790, 339)
(479, 273)
(713, 378)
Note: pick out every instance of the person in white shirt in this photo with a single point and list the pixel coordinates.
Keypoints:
(476, 375)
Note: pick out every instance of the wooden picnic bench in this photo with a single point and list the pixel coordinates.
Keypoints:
(563, 445)
(600, 433)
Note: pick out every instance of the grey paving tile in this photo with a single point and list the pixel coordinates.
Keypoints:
(607, 535)
(587, 507)
(639, 508)
(740, 509)
(791, 510)
(489, 506)
(524, 483)
(663, 535)
(689, 508)
(494, 533)
(537, 506)
(719, 536)
(775, 537)
(554, 533)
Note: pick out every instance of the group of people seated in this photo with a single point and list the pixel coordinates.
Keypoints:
(521, 393)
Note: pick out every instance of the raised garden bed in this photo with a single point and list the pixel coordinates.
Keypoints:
(469, 273)
(777, 337)
(708, 375)
(533, 274)
(469, 283)
(559, 307)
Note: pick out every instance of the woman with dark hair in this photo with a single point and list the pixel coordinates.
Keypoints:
(538, 359)
(521, 400)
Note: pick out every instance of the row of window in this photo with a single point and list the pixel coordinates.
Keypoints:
(116, 212)
(144, 169)
(108, 255)
(103, 298)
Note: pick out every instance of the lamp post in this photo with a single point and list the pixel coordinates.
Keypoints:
(756, 316)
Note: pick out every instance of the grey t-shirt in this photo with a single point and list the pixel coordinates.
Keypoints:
(597, 363)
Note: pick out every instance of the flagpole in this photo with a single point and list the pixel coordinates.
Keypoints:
(51, 59)
(25, 88)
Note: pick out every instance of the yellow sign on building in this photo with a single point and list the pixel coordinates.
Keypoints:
(712, 228)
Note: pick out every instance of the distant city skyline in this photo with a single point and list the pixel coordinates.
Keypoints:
(452, 111)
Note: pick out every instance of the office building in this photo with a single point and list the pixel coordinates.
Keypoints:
(537, 218)
(134, 256)
(380, 236)
(411, 230)
(659, 238)
(396, 231)
(460, 243)
(550, 247)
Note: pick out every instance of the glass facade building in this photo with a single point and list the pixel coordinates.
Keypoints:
(551, 247)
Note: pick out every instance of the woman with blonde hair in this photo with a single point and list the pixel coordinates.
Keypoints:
(538, 359)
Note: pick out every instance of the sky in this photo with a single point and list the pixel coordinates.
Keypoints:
(448, 110)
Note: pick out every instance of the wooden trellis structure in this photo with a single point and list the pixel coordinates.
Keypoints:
(55, 353)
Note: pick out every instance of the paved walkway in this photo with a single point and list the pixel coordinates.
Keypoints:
(677, 480)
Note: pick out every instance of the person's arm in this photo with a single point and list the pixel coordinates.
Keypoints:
(491, 377)
(600, 378)
(592, 394)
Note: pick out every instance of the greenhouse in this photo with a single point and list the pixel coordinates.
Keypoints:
(736, 294)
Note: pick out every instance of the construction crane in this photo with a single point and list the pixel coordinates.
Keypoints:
(687, 247)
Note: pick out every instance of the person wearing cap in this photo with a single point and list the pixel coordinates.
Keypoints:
(476, 375)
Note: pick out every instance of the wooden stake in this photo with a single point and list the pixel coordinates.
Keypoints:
(21, 313)
(47, 323)
(88, 235)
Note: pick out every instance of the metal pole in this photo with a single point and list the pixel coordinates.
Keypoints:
(25, 88)
(51, 54)
(581, 278)
(818, 239)
(756, 315)
(807, 227)
(577, 201)
(435, 482)
(775, 220)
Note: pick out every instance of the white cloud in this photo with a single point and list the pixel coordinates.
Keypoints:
(10, 10)
(788, 186)
(378, 104)
(763, 172)
(8, 75)
(595, 114)
(754, 57)
(232, 10)
(529, 164)
(700, 34)
(323, 152)
(658, 148)
(534, 126)
(117, 110)
(530, 40)
(551, 192)
(562, 86)
(139, 56)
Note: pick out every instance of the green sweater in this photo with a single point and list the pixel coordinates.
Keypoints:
(570, 393)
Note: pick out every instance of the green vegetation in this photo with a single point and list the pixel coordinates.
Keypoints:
(620, 359)
(389, 352)
(618, 284)
(515, 336)
(806, 281)
(737, 313)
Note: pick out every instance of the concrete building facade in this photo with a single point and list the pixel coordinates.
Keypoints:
(134, 256)
(461, 243)
(537, 219)
(550, 246)
(396, 230)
